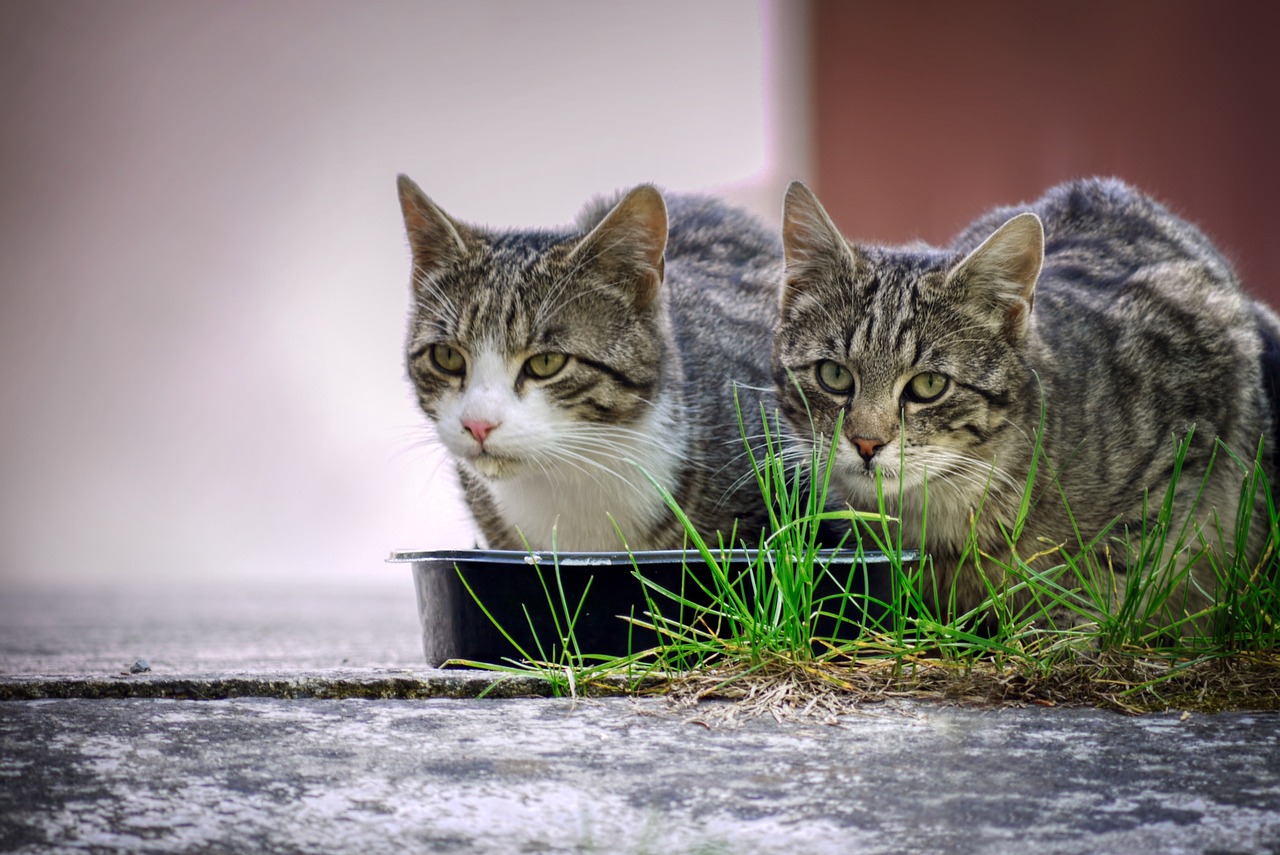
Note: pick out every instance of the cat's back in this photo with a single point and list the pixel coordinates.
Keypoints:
(1118, 231)
(1101, 234)
(716, 238)
(724, 270)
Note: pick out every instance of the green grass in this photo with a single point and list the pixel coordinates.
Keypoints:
(559, 660)
(1133, 642)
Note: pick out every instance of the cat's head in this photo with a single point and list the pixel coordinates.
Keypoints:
(527, 348)
(921, 350)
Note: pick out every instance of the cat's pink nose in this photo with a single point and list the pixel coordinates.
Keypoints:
(867, 448)
(480, 430)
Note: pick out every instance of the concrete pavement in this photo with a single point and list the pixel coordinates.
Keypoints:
(298, 770)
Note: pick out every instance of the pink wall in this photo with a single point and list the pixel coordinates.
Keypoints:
(928, 113)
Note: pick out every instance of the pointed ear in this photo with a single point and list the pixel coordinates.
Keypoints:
(629, 243)
(810, 241)
(1001, 273)
(435, 239)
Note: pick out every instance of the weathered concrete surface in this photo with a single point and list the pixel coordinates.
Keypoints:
(258, 775)
(93, 758)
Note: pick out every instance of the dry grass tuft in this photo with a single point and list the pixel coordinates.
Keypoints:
(1132, 684)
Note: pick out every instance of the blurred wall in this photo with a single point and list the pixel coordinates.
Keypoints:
(203, 273)
(928, 113)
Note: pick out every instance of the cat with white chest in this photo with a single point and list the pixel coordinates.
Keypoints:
(555, 365)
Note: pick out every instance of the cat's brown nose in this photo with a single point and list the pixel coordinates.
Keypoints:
(867, 447)
(478, 429)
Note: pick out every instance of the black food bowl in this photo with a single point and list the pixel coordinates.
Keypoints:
(524, 594)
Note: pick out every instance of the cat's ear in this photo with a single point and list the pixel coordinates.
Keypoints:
(1002, 272)
(810, 241)
(629, 243)
(434, 237)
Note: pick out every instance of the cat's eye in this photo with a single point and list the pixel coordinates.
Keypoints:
(544, 365)
(448, 359)
(927, 387)
(834, 377)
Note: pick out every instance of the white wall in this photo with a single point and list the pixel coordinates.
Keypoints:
(203, 274)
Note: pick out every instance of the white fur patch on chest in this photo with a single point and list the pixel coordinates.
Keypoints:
(578, 500)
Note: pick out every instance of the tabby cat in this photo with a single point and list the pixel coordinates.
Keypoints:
(555, 364)
(1094, 303)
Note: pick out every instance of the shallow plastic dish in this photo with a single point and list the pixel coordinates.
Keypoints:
(454, 626)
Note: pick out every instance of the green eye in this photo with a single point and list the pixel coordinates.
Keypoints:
(448, 359)
(834, 377)
(544, 365)
(927, 387)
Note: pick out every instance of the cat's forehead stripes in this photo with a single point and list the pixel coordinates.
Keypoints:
(887, 303)
(499, 295)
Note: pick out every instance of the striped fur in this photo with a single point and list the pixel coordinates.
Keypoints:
(1118, 317)
(658, 324)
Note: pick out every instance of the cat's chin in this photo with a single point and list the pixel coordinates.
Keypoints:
(496, 468)
(865, 487)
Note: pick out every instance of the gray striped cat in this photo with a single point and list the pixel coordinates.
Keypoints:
(1117, 316)
(554, 363)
